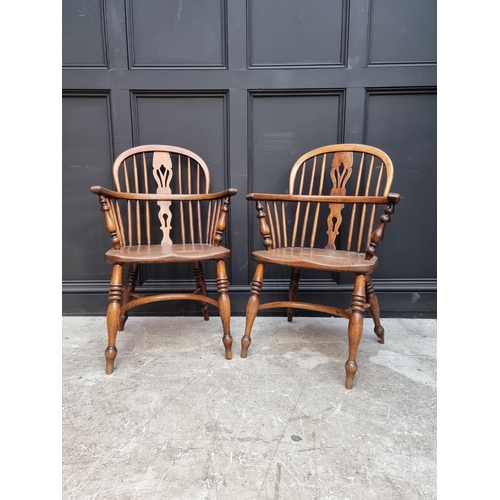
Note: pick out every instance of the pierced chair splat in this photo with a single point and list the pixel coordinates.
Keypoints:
(162, 212)
(333, 219)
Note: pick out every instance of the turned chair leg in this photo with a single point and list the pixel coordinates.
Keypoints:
(374, 309)
(224, 307)
(293, 290)
(133, 271)
(113, 315)
(201, 286)
(355, 328)
(252, 307)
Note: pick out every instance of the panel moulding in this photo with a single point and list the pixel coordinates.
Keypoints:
(223, 44)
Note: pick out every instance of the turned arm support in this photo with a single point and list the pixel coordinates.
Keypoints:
(221, 222)
(378, 235)
(263, 226)
(109, 219)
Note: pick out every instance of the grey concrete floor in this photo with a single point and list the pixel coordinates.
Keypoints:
(176, 420)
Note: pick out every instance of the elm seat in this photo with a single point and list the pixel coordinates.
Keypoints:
(167, 253)
(331, 220)
(162, 212)
(318, 258)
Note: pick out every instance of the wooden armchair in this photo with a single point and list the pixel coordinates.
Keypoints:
(343, 186)
(162, 212)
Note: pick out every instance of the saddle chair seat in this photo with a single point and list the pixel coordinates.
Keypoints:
(152, 254)
(317, 258)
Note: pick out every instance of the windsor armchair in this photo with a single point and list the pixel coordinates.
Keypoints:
(162, 212)
(343, 186)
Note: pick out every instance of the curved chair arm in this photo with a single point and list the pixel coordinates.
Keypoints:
(318, 199)
(162, 197)
(378, 235)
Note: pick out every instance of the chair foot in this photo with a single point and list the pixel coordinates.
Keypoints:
(379, 332)
(133, 272)
(110, 354)
(123, 320)
(204, 311)
(374, 309)
(293, 290)
(202, 288)
(227, 340)
(245, 344)
(351, 367)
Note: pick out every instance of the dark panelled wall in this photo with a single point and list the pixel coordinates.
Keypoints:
(250, 86)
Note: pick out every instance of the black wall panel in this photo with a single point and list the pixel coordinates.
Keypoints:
(84, 33)
(284, 33)
(174, 34)
(86, 155)
(283, 126)
(403, 32)
(409, 133)
(196, 121)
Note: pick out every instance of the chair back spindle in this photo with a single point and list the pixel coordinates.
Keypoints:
(340, 173)
(339, 170)
(163, 170)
